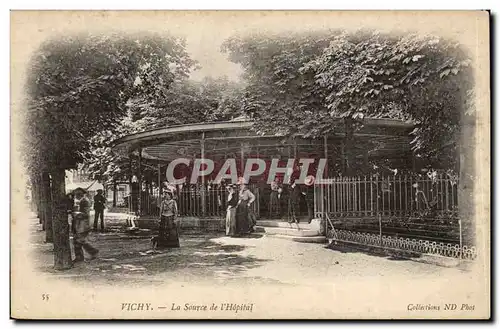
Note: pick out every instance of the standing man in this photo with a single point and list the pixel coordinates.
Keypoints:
(294, 201)
(99, 205)
(82, 226)
(309, 196)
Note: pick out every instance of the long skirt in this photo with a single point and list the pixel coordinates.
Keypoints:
(274, 205)
(242, 224)
(231, 222)
(169, 233)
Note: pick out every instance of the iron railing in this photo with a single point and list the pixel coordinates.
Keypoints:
(416, 214)
(390, 196)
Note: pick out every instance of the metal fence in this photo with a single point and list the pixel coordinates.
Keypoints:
(391, 196)
(417, 214)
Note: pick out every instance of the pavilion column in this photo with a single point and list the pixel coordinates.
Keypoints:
(366, 160)
(413, 162)
(242, 159)
(342, 156)
(159, 182)
(319, 192)
(114, 194)
(202, 191)
(325, 149)
(139, 182)
(294, 148)
(296, 162)
(130, 186)
(349, 144)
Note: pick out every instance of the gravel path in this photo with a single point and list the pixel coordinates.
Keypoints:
(210, 257)
(281, 278)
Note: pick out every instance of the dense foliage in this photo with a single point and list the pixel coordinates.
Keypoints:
(302, 84)
(80, 85)
(185, 101)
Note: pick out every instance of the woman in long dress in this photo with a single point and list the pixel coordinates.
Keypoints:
(232, 202)
(169, 230)
(246, 198)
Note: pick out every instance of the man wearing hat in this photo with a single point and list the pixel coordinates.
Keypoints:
(99, 205)
(82, 226)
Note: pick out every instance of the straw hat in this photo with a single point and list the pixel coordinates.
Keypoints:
(79, 189)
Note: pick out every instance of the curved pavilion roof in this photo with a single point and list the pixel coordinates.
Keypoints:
(229, 138)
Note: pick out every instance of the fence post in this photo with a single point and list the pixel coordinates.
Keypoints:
(325, 219)
(380, 227)
(461, 240)
(203, 187)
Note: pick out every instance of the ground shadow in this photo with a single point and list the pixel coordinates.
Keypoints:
(126, 257)
(394, 255)
(199, 257)
(249, 236)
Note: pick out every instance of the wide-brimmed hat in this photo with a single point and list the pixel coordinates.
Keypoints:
(79, 189)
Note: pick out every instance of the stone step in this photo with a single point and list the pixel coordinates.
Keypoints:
(152, 223)
(277, 223)
(286, 231)
(304, 239)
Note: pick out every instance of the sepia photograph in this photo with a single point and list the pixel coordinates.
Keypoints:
(250, 165)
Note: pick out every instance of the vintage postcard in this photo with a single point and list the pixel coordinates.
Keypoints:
(250, 165)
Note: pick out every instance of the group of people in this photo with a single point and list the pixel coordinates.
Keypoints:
(290, 199)
(240, 219)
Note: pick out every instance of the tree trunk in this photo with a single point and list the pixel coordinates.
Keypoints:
(114, 195)
(47, 207)
(40, 199)
(62, 249)
(39, 206)
(34, 195)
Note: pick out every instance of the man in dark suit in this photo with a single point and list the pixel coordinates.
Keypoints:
(99, 205)
(296, 195)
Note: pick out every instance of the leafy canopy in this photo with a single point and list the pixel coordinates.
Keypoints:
(80, 85)
(302, 84)
(185, 101)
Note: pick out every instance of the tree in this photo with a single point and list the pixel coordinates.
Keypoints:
(421, 78)
(278, 96)
(185, 101)
(302, 84)
(79, 85)
(427, 79)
